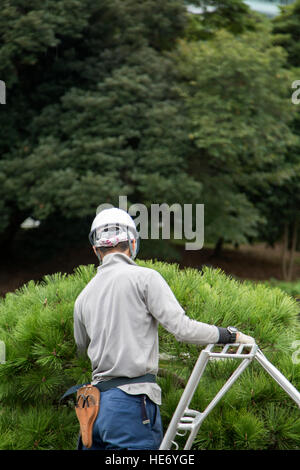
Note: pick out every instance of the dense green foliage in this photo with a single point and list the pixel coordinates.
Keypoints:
(286, 29)
(234, 16)
(282, 203)
(36, 324)
(109, 98)
(239, 127)
(291, 288)
(91, 111)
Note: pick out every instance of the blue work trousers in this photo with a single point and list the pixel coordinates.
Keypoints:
(126, 421)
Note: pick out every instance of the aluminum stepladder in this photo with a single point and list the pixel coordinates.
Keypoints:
(186, 420)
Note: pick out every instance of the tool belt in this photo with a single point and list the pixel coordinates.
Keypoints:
(87, 404)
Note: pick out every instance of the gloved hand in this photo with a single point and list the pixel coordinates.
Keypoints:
(245, 339)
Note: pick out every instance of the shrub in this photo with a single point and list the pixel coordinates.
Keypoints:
(36, 324)
(292, 288)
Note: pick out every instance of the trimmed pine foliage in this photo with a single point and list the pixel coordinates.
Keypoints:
(291, 288)
(36, 324)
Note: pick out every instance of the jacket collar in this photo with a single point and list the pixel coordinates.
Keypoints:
(115, 258)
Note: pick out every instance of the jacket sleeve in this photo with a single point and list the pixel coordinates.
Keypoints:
(80, 334)
(163, 305)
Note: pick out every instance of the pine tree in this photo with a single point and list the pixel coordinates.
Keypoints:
(36, 325)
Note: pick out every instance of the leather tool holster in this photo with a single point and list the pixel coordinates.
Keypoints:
(87, 408)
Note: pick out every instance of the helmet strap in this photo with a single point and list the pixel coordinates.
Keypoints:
(130, 243)
(98, 256)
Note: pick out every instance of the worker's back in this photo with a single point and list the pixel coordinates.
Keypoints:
(121, 332)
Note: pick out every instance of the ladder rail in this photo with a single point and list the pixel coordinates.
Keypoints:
(185, 398)
(278, 377)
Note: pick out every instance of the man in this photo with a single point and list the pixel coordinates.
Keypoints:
(116, 320)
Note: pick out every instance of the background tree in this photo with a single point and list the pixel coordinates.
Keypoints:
(234, 16)
(95, 109)
(283, 203)
(236, 93)
(92, 112)
(286, 31)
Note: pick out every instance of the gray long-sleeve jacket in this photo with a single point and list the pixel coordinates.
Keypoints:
(116, 319)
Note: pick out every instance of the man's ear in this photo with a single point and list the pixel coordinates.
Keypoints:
(133, 247)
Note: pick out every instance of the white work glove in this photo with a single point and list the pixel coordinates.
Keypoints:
(245, 339)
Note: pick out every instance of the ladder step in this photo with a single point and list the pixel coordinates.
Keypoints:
(189, 420)
(236, 351)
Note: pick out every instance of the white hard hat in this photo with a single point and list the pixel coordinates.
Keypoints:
(112, 226)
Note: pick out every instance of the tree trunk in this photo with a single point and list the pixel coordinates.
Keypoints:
(284, 250)
(7, 238)
(293, 250)
(288, 250)
(218, 247)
